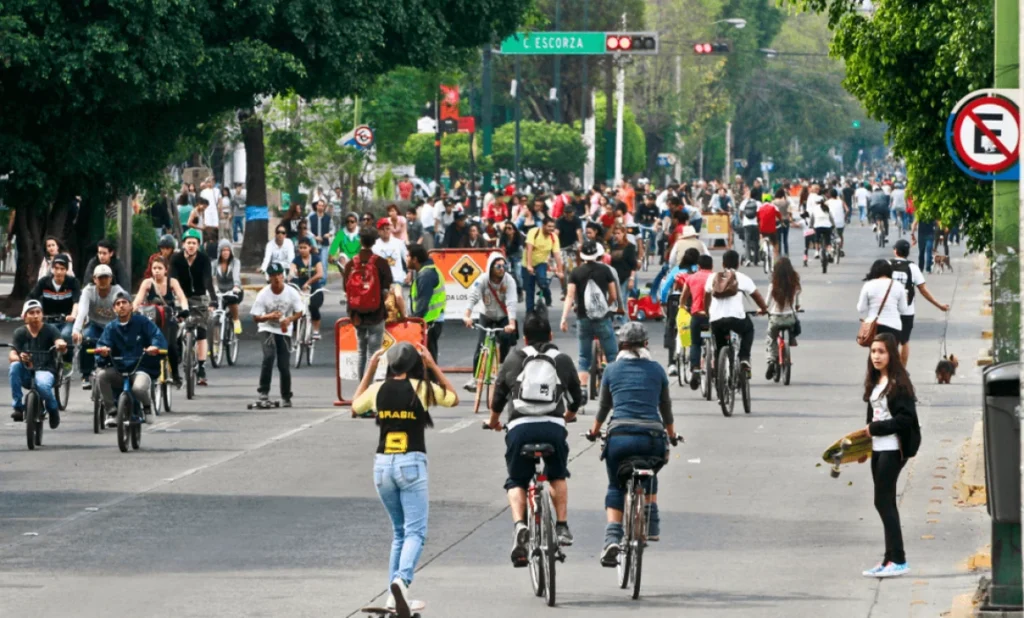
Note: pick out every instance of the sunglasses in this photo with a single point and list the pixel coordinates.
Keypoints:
(282, 232)
(367, 218)
(499, 267)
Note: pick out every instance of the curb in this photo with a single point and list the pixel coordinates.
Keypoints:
(970, 486)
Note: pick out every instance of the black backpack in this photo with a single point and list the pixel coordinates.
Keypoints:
(903, 267)
(750, 209)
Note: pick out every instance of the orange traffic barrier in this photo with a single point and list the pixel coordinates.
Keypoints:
(346, 345)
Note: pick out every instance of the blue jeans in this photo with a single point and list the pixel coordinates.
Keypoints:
(238, 226)
(697, 324)
(861, 210)
(784, 240)
(925, 246)
(586, 331)
(20, 378)
(401, 482)
(697, 224)
(621, 446)
(88, 361)
(531, 281)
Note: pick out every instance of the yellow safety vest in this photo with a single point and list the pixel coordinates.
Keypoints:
(438, 299)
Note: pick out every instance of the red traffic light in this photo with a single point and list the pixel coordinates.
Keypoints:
(645, 43)
(611, 43)
(702, 48)
(625, 43)
(711, 48)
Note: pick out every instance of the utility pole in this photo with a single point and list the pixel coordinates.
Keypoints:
(620, 103)
(609, 122)
(728, 153)
(678, 169)
(700, 160)
(1006, 311)
(437, 138)
(558, 68)
(124, 242)
(585, 97)
(516, 88)
(487, 113)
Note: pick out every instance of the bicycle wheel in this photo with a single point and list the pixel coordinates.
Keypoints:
(135, 429)
(706, 376)
(300, 341)
(232, 347)
(190, 366)
(216, 341)
(97, 412)
(154, 396)
(787, 368)
(32, 412)
(62, 386)
(638, 542)
(536, 556)
(311, 348)
(482, 367)
(626, 551)
(596, 370)
(549, 543)
(778, 359)
(724, 370)
(824, 260)
(165, 395)
(124, 414)
(682, 364)
(744, 389)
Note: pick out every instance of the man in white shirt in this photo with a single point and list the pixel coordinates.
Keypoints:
(861, 195)
(726, 312)
(211, 219)
(425, 213)
(277, 307)
(910, 276)
(393, 251)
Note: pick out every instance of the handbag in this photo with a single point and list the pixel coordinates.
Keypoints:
(868, 328)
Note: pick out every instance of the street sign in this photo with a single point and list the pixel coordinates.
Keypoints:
(556, 43)
(467, 124)
(983, 135)
(767, 166)
(363, 136)
(465, 271)
(666, 159)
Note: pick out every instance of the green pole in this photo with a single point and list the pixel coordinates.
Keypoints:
(357, 112)
(1006, 550)
(487, 111)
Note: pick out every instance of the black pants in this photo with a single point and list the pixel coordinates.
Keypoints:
(433, 336)
(751, 238)
(315, 302)
(742, 327)
(276, 346)
(885, 470)
(505, 340)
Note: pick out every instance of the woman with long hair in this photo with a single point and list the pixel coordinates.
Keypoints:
(163, 290)
(291, 220)
(227, 279)
(783, 302)
(413, 385)
(54, 247)
(782, 204)
(883, 301)
(895, 437)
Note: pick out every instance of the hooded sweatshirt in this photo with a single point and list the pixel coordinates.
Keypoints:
(226, 281)
(485, 288)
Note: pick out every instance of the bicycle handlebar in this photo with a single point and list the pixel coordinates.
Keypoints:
(489, 331)
(674, 440)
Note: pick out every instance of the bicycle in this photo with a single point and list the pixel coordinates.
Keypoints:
(162, 387)
(783, 362)
(129, 411)
(221, 333)
(728, 380)
(486, 372)
(62, 377)
(543, 548)
(34, 413)
(681, 359)
(304, 343)
(879, 222)
(189, 363)
(766, 255)
(707, 363)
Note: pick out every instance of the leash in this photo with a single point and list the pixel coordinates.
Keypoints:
(945, 326)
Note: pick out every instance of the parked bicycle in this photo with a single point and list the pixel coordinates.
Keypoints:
(486, 371)
(221, 332)
(304, 343)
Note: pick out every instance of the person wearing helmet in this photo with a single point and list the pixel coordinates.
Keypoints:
(165, 249)
(640, 427)
(195, 275)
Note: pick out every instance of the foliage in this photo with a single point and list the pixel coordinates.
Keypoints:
(384, 187)
(419, 150)
(286, 144)
(144, 241)
(393, 105)
(634, 142)
(326, 160)
(909, 64)
(548, 150)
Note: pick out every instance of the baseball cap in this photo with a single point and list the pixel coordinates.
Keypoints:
(30, 305)
(383, 222)
(402, 357)
(591, 250)
(275, 269)
(902, 246)
(460, 214)
(102, 270)
(61, 259)
(122, 295)
(632, 332)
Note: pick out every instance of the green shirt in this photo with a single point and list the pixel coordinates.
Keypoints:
(349, 246)
(184, 212)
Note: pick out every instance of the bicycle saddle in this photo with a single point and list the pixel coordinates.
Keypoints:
(529, 450)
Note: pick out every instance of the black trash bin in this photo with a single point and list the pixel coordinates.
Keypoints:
(1002, 441)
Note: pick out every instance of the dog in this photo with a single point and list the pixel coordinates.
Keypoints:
(942, 263)
(946, 369)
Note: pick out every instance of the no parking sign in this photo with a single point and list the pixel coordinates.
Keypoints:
(983, 135)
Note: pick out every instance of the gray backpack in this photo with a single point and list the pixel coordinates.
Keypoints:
(538, 388)
(595, 303)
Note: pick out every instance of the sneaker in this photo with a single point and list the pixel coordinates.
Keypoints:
(745, 366)
(400, 591)
(238, 327)
(316, 335)
(86, 384)
(286, 403)
(610, 555)
(873, 571)
(54, 418)
(201, 375)
(892, 569)
(18, 416)
(654, 530)
(145, 414)
(770, 372)
(390, 603)
(111, 422)
(470, 386)
(565, 537)
(695, 380)
(673, 371)
(520, 555)
(792, 342)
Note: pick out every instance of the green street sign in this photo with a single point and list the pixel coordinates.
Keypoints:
(555, 43)
(856, 124)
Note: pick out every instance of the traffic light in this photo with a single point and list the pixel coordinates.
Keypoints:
(645, 43)
(711, 48)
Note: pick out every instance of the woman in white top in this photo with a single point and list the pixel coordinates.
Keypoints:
(881, 300)
(54, 247)
(783, 302)
(279, 251)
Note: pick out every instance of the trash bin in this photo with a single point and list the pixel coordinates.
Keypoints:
(1002, 441)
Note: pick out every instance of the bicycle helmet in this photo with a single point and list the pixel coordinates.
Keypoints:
(167, 242)
(192, 233)
(633, 333)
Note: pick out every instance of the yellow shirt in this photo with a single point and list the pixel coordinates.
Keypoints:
(365, 402)
(543, 245)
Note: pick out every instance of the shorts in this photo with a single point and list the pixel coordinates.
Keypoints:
(771, 237)
(908, 327)
(521, 469)
(882, 329)
(824, 235)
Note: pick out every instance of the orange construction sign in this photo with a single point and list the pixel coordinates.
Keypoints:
(461, 269)
(412, 330)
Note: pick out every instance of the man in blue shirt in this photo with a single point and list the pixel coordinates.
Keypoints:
(123, 343)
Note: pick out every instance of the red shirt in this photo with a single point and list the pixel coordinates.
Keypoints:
(767, 219)
(496, 211)
(696, 282)
(557, 206)
(404, 190)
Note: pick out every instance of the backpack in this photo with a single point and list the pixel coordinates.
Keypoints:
(903, 266)
(363, 286)
(595, 303)
(725, 284)
(750, 209)
(538, 389)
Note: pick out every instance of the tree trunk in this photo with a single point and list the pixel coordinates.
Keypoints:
(255, 241)
(31, 226)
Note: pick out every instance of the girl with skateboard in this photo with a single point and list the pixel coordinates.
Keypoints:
(895, 437)
(414, 384)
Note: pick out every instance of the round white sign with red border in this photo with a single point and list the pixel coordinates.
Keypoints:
(363, 136)
(986, 134)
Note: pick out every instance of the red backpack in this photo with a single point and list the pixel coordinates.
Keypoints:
(363, 286)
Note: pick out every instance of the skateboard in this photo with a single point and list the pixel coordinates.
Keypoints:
(263, 404)
(382, 612)
(849, 449)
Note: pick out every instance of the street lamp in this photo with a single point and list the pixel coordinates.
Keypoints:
(736, 22)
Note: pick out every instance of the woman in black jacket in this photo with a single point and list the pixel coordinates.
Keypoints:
(895, 437)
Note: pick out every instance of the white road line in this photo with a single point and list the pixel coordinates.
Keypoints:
(469, 422)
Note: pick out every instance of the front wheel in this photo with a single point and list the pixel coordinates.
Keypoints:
(189, 362)
(216, 340)
(97, 412)
(745, 390)
(706, 377)
(124, 415)
(136, 434)
(482, 368)
(787, 367)
(231, 343)
(154, 396)
(300, 342)
(550, 543)
(536, 556)
(724, 369)
(33, 420)
(682, 364)
(63, 382)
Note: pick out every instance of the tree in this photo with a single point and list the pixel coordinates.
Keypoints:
(97, 96)
(393, 105)
(909, 64)
(634, 143)
(286, 144)
(419, 150)
(549, 150)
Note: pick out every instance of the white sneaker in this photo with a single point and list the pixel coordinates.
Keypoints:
(673, 371)
(873, 571)
(400, 592)
(470, 386)
(111, 422)
(390, 603)
(893, 570)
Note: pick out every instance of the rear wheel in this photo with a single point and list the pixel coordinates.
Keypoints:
(778, 359)
(639, 538)
(724, 369)
(682, 364)
(33, 420)
(216, 340)
(311, 348)
(300, 341)
(706, 377)
(626, 550)
(124, 414)
(787, 367)
(536, 569)
(550, 543)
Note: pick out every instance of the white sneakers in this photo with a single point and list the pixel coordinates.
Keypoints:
(400, 597)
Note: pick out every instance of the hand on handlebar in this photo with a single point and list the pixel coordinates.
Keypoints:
(468, 322)
(104, 352)
(152, 350)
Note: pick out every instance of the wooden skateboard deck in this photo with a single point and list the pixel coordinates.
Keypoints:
(849, 449)
(383, 612)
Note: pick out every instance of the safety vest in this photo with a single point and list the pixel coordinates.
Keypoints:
(438, 299)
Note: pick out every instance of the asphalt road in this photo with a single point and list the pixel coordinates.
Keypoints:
(232, 512)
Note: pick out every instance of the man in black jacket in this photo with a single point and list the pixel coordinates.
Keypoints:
(195, 274)
(106, 254)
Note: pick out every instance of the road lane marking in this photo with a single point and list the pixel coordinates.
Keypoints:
(461, 425)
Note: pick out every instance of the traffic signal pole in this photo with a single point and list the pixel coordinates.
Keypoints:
(487, 113)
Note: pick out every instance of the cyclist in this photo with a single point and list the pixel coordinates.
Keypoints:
(162, 290)
(723, 296)
(593, 291)
(195, 275)
(31, 355)
(165, 249)
(539, 368)
(276, 308)
(837, 208)
(820, 220)
(570, 235)
(783, 303)
(693, 297)
(541, 245)
(646, 216)
(402, 404)
(59, 293)
(499, 295)
(106, 256)
(281, 250)
(228, 271)
(308, 274)
(878, 207)
(909, 274)
(128, 336)
(96, 304)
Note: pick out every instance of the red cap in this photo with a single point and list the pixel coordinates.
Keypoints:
(383, 222)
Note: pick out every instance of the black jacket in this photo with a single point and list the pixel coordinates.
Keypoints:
(509, 372)
(903, 423)
(196, 279)
(120, 274)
